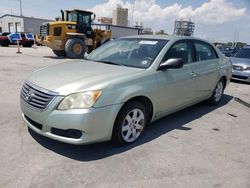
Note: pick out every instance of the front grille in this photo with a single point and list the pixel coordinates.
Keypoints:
(44, 30)
(36, 97)
(240, 77)
(238, 68)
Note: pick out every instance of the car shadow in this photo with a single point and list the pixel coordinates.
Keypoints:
(98, 151)
(240, 82)
(55, 57)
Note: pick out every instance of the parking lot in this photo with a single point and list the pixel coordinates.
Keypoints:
(201, 146)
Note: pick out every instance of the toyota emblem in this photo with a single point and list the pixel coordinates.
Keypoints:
(29, 95)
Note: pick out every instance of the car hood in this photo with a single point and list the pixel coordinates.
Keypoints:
(240, 61)
(79, 75)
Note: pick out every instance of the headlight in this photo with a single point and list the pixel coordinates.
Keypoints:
(79, 100)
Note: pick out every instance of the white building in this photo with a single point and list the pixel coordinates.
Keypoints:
(13, 23)
(118, 31)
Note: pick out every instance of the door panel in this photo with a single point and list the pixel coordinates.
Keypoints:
(206, 68)
(176, 88)
(207, 74)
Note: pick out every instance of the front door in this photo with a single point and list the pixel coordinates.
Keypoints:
(176, 87)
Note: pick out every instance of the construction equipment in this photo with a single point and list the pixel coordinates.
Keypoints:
(73, 35)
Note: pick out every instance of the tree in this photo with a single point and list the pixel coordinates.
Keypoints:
(161, 32)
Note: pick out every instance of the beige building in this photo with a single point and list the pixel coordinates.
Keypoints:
(120, 16)
(105, 20)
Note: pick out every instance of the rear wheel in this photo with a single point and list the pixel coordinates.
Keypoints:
(130, 123)
(75, 48)
(217, 93)
(58, 53)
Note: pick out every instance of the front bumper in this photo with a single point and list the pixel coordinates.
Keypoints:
(95, 124)
(241, 75)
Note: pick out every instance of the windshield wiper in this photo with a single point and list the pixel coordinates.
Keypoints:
(106, 62)
(109, 62)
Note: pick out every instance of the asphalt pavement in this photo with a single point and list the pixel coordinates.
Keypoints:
(201, 146)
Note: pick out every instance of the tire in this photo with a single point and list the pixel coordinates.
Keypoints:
(130, 123)
(217, 93)
(27, 45)
(5, 44)
(59, 53)
(75, 48)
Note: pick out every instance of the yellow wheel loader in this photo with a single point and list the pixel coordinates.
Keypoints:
(73, 36)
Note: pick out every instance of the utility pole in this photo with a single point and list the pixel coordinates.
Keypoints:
(236, 39)
(132, 22)
(21, 8)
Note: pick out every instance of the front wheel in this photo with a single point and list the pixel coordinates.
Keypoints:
(75, 48)
(217, 93)
(130, 123)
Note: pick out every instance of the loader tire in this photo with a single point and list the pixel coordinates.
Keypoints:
(75, 48)
(60, 53)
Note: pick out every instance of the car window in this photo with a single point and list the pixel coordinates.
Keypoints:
(204, 51)
(180, 50)
(14, 37)
(243, 53)
(30, 36)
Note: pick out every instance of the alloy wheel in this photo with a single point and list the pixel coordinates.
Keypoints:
(133, 125)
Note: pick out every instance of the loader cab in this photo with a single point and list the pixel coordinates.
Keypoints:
(83, 20)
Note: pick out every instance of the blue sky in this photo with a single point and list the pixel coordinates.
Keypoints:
(216, 20)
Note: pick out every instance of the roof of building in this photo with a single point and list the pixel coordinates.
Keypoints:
(111, 25)
(16, 16)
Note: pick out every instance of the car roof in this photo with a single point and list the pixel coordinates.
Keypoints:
(164, 37)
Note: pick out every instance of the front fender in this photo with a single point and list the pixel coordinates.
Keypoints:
(123, 92)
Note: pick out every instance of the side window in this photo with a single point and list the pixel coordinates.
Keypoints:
(180, 50)
(204, 51)
(57, 31)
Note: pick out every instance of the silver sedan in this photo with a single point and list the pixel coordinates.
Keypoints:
(241, 65)
(121, 87)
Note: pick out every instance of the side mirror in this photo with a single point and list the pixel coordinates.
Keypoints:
(93, 17)
(174, 63)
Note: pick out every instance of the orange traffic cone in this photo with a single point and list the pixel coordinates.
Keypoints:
(18, 48)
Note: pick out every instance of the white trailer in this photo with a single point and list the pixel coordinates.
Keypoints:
(118, 31)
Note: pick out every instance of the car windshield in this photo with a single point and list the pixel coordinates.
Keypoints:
(131, 52)
(243, 53)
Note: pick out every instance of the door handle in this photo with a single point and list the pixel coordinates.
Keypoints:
(194, 74)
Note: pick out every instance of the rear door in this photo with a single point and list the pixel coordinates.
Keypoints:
(206, 67)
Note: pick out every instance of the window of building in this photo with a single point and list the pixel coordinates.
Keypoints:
(11, 27)
(18, 27)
